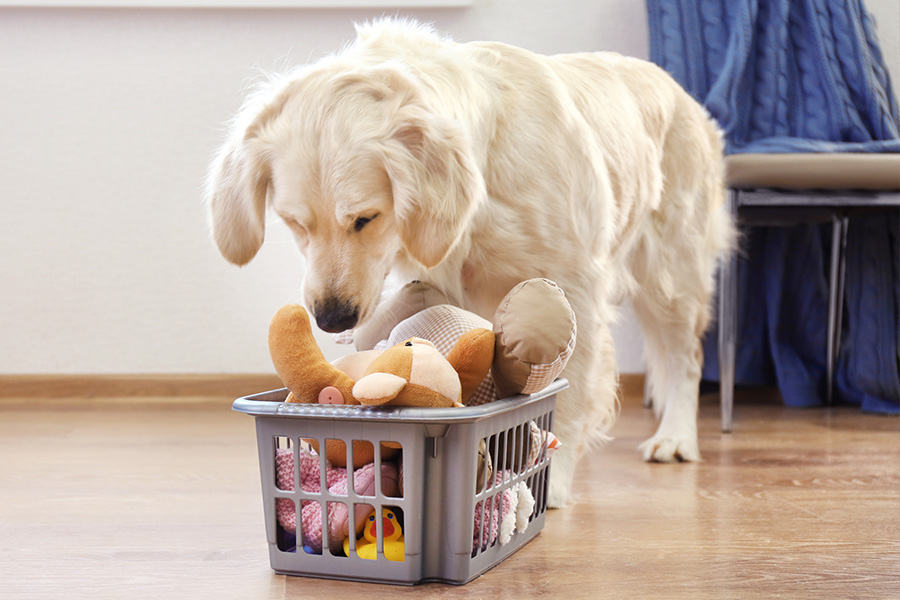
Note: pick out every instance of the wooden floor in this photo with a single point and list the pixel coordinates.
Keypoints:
(158, 497)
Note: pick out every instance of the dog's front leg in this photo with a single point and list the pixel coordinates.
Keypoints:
(586, 411)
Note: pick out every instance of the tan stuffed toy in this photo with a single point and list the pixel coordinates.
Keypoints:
(415, 364)
(412, 373)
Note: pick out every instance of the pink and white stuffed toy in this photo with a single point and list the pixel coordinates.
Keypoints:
(505, 513)
(510, 510)
(336, 481)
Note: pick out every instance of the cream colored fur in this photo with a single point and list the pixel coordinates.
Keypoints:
(481, 165)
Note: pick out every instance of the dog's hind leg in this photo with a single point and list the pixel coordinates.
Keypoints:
(674, 356)
(675, 267)
(674, 264)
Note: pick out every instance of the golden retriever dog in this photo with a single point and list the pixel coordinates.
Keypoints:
(474, 166)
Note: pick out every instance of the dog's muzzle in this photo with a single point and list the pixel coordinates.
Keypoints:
(334, 315)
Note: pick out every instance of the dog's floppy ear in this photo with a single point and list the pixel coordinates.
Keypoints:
(436, 182)
(237, 187)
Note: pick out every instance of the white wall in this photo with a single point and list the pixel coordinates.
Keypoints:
(887, 16)
(108, 118)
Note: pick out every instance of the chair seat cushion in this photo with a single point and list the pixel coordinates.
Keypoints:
(814, 171)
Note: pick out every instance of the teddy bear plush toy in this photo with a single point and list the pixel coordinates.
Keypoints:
(410, 373)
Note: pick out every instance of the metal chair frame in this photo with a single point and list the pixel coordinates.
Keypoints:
(786, 207)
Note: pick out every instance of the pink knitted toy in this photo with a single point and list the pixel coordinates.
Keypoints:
(336, 480)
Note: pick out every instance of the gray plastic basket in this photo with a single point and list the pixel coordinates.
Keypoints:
(443, 482)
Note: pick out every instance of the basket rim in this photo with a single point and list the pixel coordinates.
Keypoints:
(271, 404)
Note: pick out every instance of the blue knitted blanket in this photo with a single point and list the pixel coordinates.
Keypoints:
(781, 75)
(798, 76)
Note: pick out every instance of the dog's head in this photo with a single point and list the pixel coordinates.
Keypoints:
(359, 168)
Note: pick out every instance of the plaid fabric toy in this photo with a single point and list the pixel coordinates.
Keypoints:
(534, 329)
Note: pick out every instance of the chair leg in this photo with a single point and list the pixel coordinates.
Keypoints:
(835, 299)
(728, 325)
(842, 273)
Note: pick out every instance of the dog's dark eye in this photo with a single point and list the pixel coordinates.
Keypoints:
(362, 222)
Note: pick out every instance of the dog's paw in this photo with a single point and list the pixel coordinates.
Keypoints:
(562, 474)
(669, 448)
(559, 495)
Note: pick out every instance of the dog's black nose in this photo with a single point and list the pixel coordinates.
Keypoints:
(335, 316)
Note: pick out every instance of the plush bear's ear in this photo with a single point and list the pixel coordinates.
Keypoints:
(378, 388)
(435, 181)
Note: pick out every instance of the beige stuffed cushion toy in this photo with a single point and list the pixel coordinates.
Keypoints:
(535, 336)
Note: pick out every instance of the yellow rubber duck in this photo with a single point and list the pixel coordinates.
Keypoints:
(393, 538)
